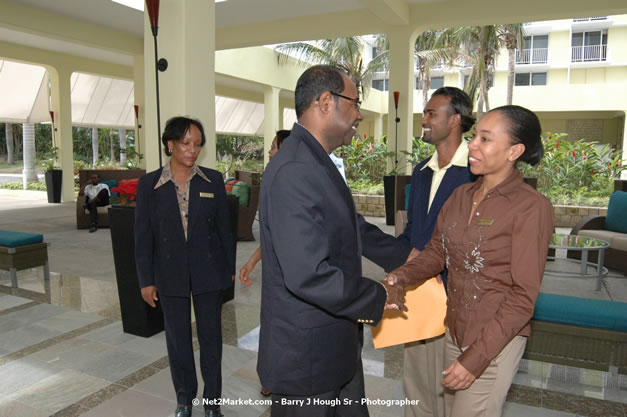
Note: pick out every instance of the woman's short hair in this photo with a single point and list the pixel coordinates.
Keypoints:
(281, 135)
(524, 127)
(176, 128)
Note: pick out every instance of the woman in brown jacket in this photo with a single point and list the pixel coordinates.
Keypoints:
(493, 237)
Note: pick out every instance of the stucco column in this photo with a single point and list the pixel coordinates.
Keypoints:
(94, 147)
(187, 40)
(378, 126)
(270, 118)
(402, 80)
(29, 174)
(623, 175)
(60, 95)
(139, 98)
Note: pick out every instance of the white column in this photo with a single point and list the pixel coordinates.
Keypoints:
(139, 98)
(94, 146)
(60, 94)
(623, 175)
(187, 40)
(122, 136)
(29, 174)
(402, 80)
(270, 118)
(378, 126)
(8, 131)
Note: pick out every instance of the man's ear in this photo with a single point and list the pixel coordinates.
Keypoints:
(325, 102)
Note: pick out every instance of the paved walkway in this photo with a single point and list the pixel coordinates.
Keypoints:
(63, 351)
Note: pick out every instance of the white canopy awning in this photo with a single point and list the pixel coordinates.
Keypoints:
(239, 117)
(107, 102)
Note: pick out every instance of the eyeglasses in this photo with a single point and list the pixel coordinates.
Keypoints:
(355, 101)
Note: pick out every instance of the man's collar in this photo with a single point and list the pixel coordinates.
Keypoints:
(460, 158)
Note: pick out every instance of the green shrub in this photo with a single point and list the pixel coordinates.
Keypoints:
(17, 185)
(576, 173)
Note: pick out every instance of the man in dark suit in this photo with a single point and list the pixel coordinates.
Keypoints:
(184, 251)
(314, 297)
(446, 116)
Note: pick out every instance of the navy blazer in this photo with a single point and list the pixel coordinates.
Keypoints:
(314, 297)
(421, 220)
(205, 261)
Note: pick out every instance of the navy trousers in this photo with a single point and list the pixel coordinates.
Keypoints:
(178, 332)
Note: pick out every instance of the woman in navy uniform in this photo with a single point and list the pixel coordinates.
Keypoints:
(183, 250)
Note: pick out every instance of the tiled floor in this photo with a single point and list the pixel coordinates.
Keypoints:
(63, 351)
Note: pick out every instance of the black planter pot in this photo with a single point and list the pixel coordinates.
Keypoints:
(53, 185)
(233, 202)
(138, 318)
(390, 194)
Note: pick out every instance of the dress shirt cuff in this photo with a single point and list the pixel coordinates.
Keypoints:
(474, 361)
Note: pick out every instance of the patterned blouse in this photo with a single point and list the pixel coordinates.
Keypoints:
(495, 265)
(181, 196)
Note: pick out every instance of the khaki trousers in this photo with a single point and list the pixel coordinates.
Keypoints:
(486, 396)
(422, 373)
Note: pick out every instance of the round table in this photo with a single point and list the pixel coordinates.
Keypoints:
(584, 245)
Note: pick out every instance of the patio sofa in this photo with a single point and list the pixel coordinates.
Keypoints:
(613, 231)
(580, 332)
(106, 176)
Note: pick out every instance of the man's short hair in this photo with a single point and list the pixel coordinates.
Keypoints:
(460, 104)
(315, 81)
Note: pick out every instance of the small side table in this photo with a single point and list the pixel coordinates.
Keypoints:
(584, 245)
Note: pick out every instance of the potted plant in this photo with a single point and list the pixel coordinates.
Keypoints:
(393, 188)
(53, 177)
(138, 318)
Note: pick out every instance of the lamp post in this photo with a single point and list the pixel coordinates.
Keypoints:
(396, 120)
(137, 146)
(152, 7)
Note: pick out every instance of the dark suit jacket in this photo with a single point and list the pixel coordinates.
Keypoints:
(420, 220)
(314, 296)
(205, 261)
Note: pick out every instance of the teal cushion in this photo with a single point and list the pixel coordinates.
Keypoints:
(616, 217)
(586, 312)
(112, 184)
(14, 239)
(407, 194)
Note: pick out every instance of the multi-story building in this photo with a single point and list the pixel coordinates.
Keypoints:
(572, 72)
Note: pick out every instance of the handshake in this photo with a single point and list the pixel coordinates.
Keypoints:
(395, 293)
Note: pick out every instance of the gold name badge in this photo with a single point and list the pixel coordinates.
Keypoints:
(485, 222)
(206, 195)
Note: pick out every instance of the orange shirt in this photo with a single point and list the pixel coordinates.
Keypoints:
(495, 265)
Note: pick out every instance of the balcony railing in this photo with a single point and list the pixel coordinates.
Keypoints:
(589, 53)
(590, 19)
(532, 56)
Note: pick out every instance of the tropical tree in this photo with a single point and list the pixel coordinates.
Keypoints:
(345, 53)
(480, 45)
(514, 38)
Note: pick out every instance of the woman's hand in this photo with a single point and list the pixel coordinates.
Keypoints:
(391, 279)
(149, 294)
(244, 274)
(456, 377)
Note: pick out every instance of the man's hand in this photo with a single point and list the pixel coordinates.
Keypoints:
(414, 252)
(396, 297)
(456, 377)
(149, 294)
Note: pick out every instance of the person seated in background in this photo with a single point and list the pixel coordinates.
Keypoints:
(96, 195)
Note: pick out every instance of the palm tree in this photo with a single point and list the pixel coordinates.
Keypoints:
(429, 52)
(345, 53)
(480, 45)
(514, 38)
